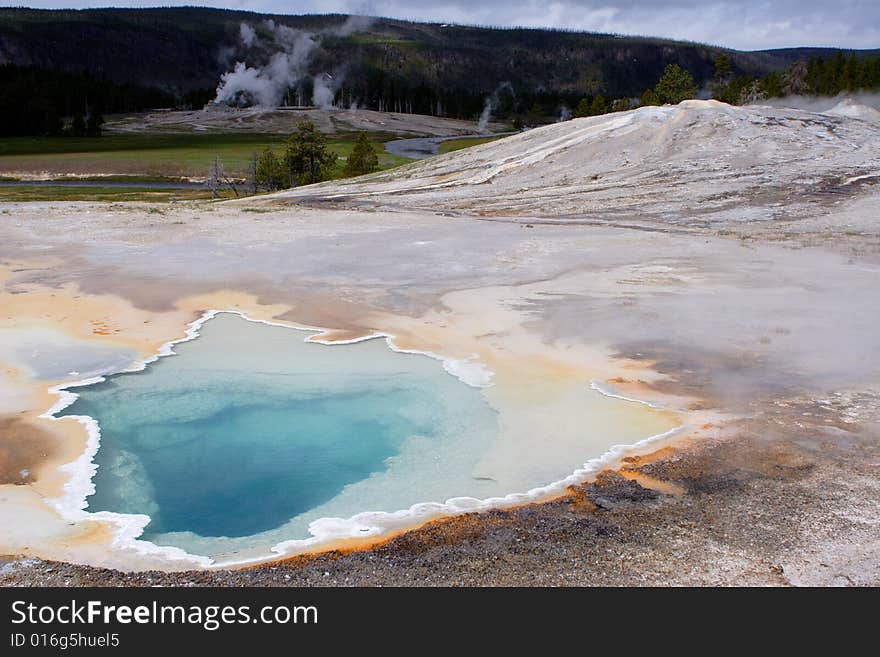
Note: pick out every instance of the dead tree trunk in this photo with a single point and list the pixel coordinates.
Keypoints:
(254, 182)
(215, 172)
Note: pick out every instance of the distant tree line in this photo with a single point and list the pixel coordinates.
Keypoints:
(377, 88)
(372, 86)
(35, 101)
(675, 85)
(813, 77)
(39, 101)
(392, 64)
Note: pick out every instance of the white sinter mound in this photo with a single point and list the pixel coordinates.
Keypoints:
(854, 110)
(690, 164)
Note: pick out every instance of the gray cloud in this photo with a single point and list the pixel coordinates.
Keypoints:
(744, 24)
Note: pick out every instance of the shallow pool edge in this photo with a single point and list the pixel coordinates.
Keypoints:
(72, 505)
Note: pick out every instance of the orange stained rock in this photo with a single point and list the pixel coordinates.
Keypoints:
(632, 462)
(646, 481)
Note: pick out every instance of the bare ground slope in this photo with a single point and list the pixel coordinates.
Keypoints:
(219, 118)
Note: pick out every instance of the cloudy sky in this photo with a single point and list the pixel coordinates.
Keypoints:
(744, 24)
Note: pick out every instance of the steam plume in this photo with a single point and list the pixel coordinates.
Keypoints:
(491, 104)
(823, 103)
(285, 54)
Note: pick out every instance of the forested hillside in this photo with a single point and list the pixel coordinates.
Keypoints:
(63, 62)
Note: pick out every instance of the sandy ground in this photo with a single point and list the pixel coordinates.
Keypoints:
(765, 333)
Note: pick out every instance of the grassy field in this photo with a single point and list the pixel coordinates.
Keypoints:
(154, 156)
(21, 193)
(457, 144)
(153, 159)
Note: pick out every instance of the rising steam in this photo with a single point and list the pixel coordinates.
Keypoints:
(825, 103)
(285, 54)
(491, 104)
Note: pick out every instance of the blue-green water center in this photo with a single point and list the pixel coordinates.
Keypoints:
(250, 433)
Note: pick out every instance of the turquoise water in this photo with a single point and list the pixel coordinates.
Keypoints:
(250, 433)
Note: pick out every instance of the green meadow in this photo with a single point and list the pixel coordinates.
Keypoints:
(457, 144)
(154, 156)
(115, 194)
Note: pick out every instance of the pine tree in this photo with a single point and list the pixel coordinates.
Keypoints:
(723, 69)
(675, 85)
(307, 159)
(722, 82)
(363, 158)
(771, 85)
(851, 74)
(582, 109)
(649, 98)
(598, 106)
(270, 172)
(535, 115)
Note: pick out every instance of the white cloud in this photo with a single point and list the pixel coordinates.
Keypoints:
(745, 24)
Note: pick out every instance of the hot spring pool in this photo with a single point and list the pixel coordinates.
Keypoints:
(249, 433)
(251, 438)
